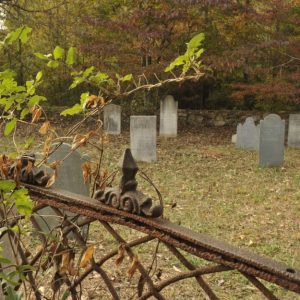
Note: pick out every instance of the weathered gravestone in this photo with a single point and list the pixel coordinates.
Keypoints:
(271, 143)
(248, 135)
(112, 119)
(143, 138)
(168, 117)
(294, 131)
(70, 178)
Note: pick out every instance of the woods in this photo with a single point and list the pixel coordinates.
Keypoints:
(251, 56)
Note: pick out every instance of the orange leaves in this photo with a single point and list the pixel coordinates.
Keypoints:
(86, 172)
(87, 256)
(28, 167)
(44, 128)
(5, 164)
(47, 145)
(134, 266)
(36, 113)
(81, 139)
(134, 261)
(94, 101)
(121, 255)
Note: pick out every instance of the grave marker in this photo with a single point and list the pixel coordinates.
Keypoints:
(294, 131)
(168, 117)
(248, 135)
(112, 119)
(70, 178)
(271, 143)
(143, 138)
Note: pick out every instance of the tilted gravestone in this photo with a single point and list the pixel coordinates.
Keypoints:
(271, 143)
(112, 119)
(70, 178)
(294, 131)
(248, 135)
(168, 117)
(143, 138)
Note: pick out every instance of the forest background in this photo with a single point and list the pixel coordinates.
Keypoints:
(251, 58)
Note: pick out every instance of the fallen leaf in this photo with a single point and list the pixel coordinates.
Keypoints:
(87, 256)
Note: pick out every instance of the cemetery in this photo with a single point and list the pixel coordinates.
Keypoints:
(149, 151)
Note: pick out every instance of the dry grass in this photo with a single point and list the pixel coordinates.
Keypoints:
(221, 191)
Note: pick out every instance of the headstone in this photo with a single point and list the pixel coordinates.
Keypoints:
(143, 138)
(112, 119)
(70, 178)
(233, 139)
(248, 135)
(294, 131)
(168, 117)
(271, 143)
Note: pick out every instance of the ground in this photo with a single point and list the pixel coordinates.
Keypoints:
(211, 187)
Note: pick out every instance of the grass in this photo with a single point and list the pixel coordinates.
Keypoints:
(221, 191)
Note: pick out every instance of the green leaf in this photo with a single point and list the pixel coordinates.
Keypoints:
(41, 56)
(30, 87)
(4, 260)
(58, 53)
(127, 77)
(36, 99)
(24, 34)
(7, 185)
(20, 33)
(7, 74)
(39, 76)
(65, 295)
(84, 97)
(88, 71)
(76, 109)
(195, 42)
(180, 60)
(12, 294)
(53, 64)
(9, 127)
(76, 81)
(71, 56)
(99, 77)
(24, 113)
(23, 202)
(28, 143)
(199, 53)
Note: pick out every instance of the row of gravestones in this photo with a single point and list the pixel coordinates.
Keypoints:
(268, 138)
(143, 128)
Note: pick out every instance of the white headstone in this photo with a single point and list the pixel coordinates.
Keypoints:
(294, 131)
(112, 119)
(248, 135)
(233, 139)
(70, 178)
(143, 138)
(168, 117)
(271, 143)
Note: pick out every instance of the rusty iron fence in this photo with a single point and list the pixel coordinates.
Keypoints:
(125, 206)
